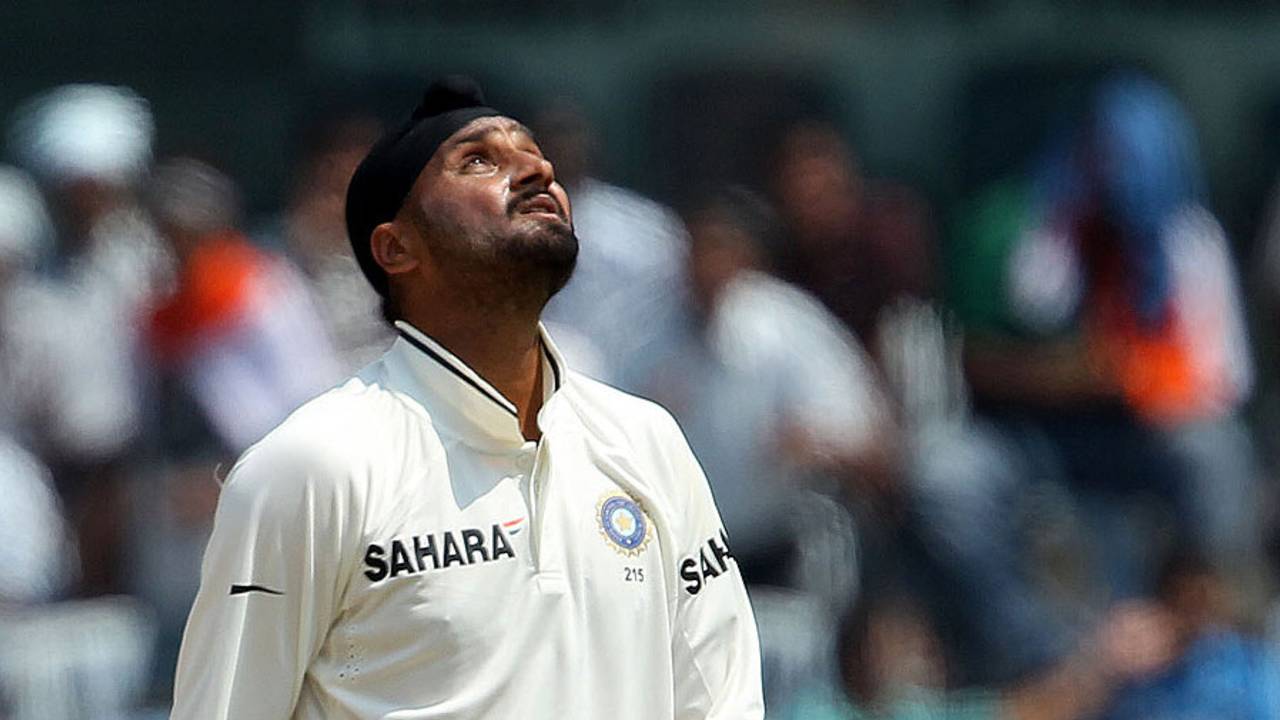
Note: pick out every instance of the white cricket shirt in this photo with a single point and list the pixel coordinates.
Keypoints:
(397, 549)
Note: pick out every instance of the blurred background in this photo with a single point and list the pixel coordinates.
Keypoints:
(968, 310)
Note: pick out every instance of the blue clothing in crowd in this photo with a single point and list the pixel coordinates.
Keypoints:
(1222, 675)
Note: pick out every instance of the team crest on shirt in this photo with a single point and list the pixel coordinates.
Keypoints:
(623, 523)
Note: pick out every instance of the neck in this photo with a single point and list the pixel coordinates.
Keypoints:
(497, 339)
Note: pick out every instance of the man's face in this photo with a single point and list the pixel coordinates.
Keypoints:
(488, 205)
(818, 187)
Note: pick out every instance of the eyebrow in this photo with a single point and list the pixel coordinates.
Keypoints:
(480, 134)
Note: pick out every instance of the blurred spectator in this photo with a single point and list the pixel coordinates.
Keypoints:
(88, 146)
(239, 328)
(1219, 672)
(1106, 342)
(26, 232)
(37, 556)
(771, 391)
(866, 248)
(891, 666)
(630, 258)
(313, 232)
(36, 552)
(38, 559)
(1116, 248)
(855, 243)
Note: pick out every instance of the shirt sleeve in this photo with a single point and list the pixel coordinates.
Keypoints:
(271, 584)
(715, 648)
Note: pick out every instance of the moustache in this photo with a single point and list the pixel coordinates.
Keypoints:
(513, 205)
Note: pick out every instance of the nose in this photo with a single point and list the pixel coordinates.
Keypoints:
(532, 171)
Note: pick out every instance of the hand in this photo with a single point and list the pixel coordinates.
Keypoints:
(1137, 639)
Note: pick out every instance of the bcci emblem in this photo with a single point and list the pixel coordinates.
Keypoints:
(623, 524)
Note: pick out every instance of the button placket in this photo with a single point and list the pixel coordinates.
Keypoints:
(537, 464)
(524, 462)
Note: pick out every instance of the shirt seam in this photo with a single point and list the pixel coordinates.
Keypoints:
(693, 660)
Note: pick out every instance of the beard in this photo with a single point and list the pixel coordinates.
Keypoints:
(528, 264)
(543, 257)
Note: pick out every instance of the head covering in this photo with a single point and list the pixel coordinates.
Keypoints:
(1134, 151)
(25, 228)
(96, 132)
(383, 179)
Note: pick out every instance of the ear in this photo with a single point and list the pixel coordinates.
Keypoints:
(391, 249)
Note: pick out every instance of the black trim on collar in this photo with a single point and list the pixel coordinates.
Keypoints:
(555, 367)
(502, 403)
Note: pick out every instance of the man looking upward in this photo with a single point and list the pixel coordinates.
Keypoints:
(466, 528)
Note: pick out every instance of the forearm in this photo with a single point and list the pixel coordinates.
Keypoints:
(1075, 689)
(1135, 640)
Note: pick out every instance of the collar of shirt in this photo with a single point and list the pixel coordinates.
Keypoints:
(460, 401)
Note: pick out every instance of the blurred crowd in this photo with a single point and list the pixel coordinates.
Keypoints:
(995, 464)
